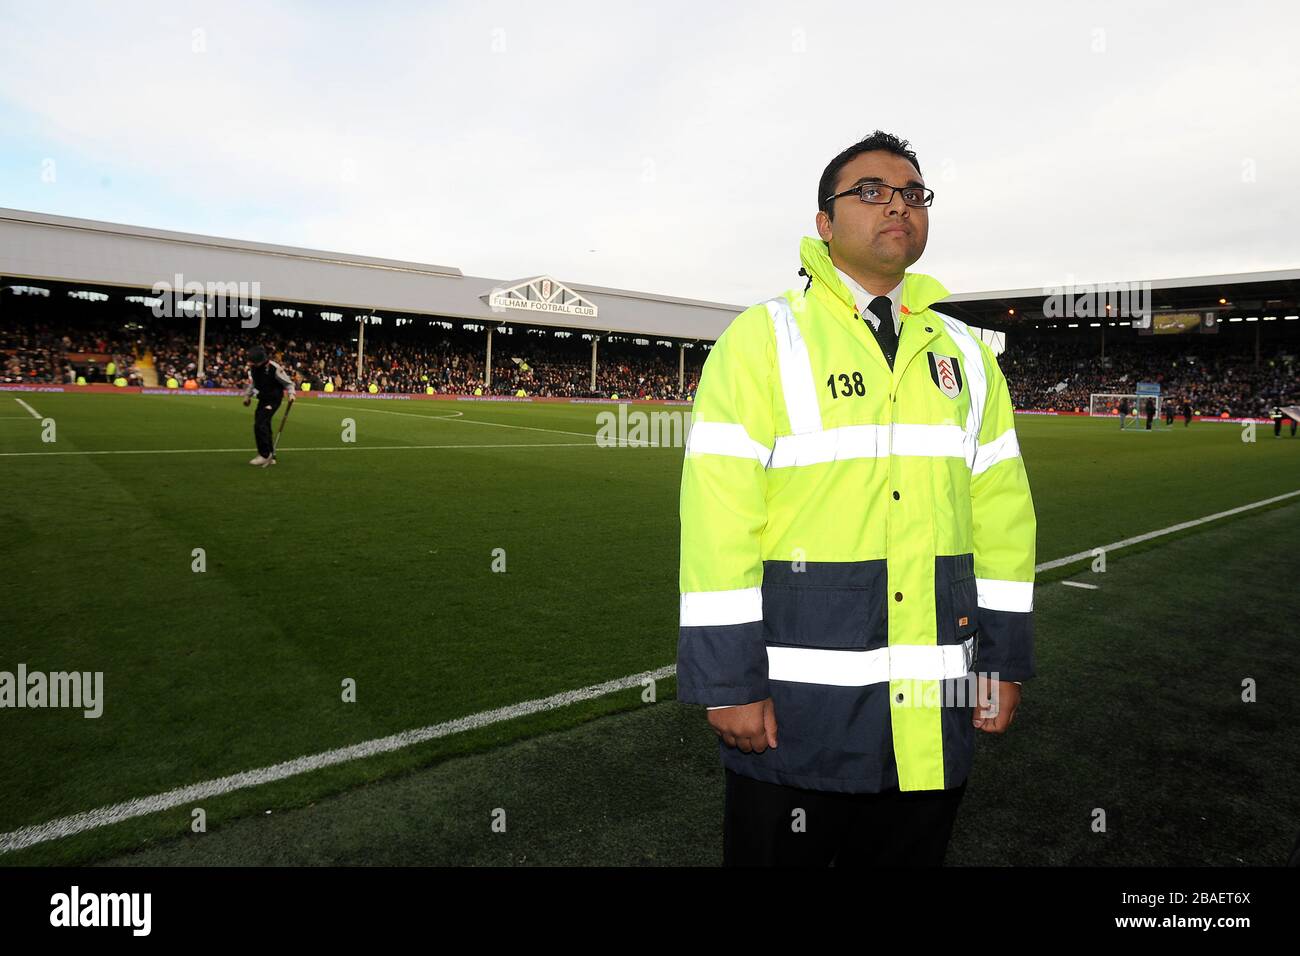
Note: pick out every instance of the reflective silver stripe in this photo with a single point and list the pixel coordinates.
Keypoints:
(999, 449)
(708, 608)
(976, 381)
(725, 438)
(796, 369)
(811, 665)
(833, 444)
(811, 445)
(931, 441)
(940, 662)
(869, 441)
(1004, 595)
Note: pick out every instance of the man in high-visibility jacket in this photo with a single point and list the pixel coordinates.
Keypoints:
(857, 542)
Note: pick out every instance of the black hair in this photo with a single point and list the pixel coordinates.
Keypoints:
(257, 355)
(879, 140)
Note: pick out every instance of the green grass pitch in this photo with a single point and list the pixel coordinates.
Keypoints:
(373, 561)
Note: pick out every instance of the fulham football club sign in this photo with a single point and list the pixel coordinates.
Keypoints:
(542, 294)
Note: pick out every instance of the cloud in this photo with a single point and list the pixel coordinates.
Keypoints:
(681, 144)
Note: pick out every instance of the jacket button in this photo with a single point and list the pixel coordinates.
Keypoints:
(899, 697)
(895, 495)
(928, 329)
(898, 595)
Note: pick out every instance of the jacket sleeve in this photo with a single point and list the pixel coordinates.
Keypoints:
(721, 654)
(1005, 531)
(285, 379)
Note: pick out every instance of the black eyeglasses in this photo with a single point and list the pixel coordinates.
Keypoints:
(881, 194)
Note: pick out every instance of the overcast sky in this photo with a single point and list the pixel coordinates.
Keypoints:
(668, 147)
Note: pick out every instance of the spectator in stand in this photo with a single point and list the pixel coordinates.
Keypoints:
(1219, 377)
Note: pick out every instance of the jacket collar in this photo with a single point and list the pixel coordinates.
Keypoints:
(920, 291)
(863, 299)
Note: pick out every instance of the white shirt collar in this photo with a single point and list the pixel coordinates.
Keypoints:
(863, 299)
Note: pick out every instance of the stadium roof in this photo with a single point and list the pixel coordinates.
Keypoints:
(1277, 291)
(63, 249)
(60, 248)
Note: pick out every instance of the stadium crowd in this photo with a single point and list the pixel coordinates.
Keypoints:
(1217, 375)
(39, 354)
(451, 361)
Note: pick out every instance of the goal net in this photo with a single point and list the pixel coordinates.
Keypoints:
(1106, 404)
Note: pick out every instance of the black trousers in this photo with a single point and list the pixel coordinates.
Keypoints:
(262, 424)
(892, 828)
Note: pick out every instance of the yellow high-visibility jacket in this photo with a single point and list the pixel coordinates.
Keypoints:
(855, 540)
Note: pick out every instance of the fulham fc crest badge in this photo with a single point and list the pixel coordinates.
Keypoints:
(946, 374)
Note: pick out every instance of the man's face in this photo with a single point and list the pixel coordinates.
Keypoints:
(878, 239)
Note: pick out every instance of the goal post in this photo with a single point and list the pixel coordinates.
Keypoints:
(1106, 405)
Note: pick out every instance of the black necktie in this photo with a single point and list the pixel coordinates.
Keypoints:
(885, 335)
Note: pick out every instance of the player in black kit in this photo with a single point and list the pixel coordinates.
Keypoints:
(1278, 417)
(269, 381)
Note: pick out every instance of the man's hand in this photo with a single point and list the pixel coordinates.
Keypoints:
(751, 727)
(291, 397)
(996, 705)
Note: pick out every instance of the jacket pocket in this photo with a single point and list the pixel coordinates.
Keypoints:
(839, 618)
(956, 598)
(963, 610)
(833, 605)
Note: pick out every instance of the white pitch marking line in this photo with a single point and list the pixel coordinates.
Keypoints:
(461, 421)
(214, 451)
(383, 411)
(142, 806)
(34, 412)
(1071, 558)
(1080, 584)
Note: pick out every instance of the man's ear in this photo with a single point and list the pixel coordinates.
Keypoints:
(824, 226)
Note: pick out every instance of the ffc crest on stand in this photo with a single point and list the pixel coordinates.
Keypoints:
(541, 294)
